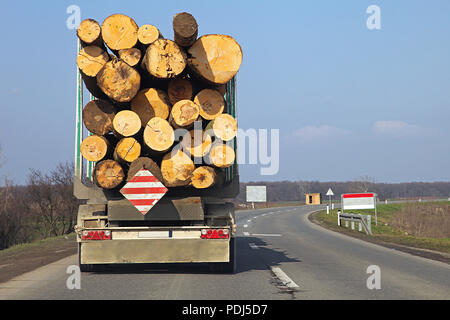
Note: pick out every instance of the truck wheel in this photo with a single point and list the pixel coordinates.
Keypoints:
(227, 267)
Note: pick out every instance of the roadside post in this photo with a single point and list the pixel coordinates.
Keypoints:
(339, 218)
(329, 194)
(328, 209)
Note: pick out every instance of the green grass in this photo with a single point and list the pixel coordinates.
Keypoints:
(384, 231)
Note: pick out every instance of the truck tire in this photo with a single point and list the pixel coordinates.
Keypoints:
(227, 267)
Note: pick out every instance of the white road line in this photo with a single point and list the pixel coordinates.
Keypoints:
(253, 246)
(246, 234)
(249, 220)
(283, 277)
(267, 234)
(245, 225)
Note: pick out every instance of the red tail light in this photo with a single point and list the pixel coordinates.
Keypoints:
(215, 234)
(96, 235)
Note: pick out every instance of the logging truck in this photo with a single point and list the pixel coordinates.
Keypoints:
(140, 93)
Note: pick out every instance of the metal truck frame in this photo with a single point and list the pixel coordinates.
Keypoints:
(110, 230)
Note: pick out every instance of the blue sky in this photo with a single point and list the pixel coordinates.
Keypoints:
(348, 101)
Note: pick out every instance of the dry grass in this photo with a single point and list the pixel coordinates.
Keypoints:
(430, 221)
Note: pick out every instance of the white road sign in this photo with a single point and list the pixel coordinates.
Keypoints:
(330, 192)
(256, 193)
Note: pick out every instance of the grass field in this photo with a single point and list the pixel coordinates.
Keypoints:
(419, 225)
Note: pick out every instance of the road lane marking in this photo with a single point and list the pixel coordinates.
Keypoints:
(253, 246)
(267, 234)
(246, 234)
(283, 277)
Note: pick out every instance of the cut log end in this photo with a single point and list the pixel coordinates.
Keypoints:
(89, 32)
(147, 34)
(126, 123)
(127, 150)
(144, 163)
(177, 168)
(91, 60)
(222, 156)
(196, 143)
(119, 81)
(215, 58)
(150, 103)
(211, 103)
(159, 135)
(203, 177)
(94, 148)
(120, 32)
(179, 89)
(130, 56)
(225, 127)
(164, 59)
(184, 113)
(98, 116)
(185, 29)
(108, 174)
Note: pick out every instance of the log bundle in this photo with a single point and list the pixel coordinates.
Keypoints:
(159, 103)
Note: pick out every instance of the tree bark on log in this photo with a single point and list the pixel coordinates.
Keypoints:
(119, 32)
(119, 81)
(184, 113)
(215, 58)
(126, 123)
(221, 156)
(179, 89)
(164, 59)
(98, 116)
(223, 127)
(147, 34)
(131, 56)
(211, 103)
(108, 174)
(94, 148)
(177, 168)
(205, 177)
(127, 150)
(144, 163)
(91, 60)
(159, 135)
(196, 143)
(150, 103)
(90, 33)
(185, 29)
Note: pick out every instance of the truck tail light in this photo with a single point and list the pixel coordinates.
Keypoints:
(96, 235)
(215, 234)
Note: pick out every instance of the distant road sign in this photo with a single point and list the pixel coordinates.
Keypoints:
(358, 201)
(256, 193)
(330, 192)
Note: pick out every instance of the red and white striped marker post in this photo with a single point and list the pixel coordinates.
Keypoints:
(144, 190)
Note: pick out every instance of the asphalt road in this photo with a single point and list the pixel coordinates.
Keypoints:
(280, 255)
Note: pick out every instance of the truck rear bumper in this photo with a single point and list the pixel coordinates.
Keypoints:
(155, 251)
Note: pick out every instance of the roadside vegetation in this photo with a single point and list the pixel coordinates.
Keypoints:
(423, 225)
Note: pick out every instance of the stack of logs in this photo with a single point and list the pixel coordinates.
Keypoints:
(159, 103)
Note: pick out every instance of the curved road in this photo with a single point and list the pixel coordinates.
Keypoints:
(280, 255)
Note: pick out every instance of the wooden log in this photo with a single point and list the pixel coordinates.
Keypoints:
(205, 177)
(126, 123)
(179, 89)
(196, 143)
(223, 127)
(98, 116)
(158, 135)
(144, 163)
(119, 81)
(91, 85)
(185, 29)
(221, 156)
(177, 168)
(147, 34)
(211, 103)
(91, 60)
(164, 59)
(94, 148)
(90, 33)
(119, 32)
(127, 150)
(150, 103)
(108, 174)
(131, 56)
(215, 58)
(184, 113)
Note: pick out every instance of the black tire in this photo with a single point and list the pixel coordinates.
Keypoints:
(227, 267)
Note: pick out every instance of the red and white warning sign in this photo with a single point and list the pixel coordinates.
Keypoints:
(358, 201)
(144, 190)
